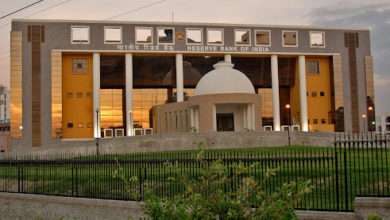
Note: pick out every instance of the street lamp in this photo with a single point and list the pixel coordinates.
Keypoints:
(370, 108)
(364, 126)
(288, 107)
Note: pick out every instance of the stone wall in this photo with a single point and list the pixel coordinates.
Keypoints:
(181, 141)
(27, 206)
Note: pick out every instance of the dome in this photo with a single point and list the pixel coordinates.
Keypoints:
(224, 79)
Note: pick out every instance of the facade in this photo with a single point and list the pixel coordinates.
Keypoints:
(89, 79)
(383, 123)
(4, 104)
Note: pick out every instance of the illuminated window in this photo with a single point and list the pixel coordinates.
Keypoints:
(263, 38)
(290, 38)
(166, 35)
(215, 36)
(80, 124)
(80, 34)
(317, 39)
(242, 37)
(194, 36)
(89, 125)
(112, 34)
(79, 65)
(143, 35)
(313, 67)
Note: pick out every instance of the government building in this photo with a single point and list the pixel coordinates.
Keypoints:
(107, 79)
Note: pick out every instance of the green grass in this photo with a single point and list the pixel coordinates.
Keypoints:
(367, 172)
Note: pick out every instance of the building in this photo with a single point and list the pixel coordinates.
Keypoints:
(383, 123)
(89, 79)
(4, 120)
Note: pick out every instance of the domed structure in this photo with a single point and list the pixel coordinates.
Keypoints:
(224, 79)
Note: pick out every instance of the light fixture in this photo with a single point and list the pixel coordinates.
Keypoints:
(288, 106)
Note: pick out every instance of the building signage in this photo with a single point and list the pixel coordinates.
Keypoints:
(195, 48)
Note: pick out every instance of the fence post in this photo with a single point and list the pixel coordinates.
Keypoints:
(77, 183)
(140, 181)
(19, 179)
(346, 179)
(337, 176)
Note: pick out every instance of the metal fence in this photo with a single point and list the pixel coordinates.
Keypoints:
(355, 166)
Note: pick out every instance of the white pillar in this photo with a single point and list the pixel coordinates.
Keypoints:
(275, 91)
(228, 58)
(129, 93)
(302, 93)
(214, 117)
(253, 117)
(245, 120)
(248, 117)
(96, 95)
(192, 119)
(196, 112)
(179, 78)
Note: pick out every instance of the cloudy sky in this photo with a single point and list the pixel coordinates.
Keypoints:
(374, 14)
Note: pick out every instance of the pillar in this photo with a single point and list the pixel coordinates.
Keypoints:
(302, 93)
(96, 95)
(179, 78)
(214, 117)
(228, 58)
(129, 93)
(275, 91)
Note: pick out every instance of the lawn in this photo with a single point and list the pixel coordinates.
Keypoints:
(336, 179)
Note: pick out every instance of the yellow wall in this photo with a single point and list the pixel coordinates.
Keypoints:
(319, 106)
(77, 110)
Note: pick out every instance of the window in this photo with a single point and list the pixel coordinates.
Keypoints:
(79, 65)
(317, 39)
(89, 125)
(214, 36)
(323, 121)
(194, 36)
(242, 37)
(80, 34)
(388, 119)
(89, 94)
(166, 36)
(112, 35)
(314, 94)
(80, 124)
(315, 121)
(70, 125)
(313, 67)
(69, 95)
(263, 38)
(290, 38)
(322, 93)
(79, 95)
(143, 35)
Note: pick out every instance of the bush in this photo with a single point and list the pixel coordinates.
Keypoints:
(208, 198)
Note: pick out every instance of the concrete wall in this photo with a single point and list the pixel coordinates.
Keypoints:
(27, 206)
(181, 141)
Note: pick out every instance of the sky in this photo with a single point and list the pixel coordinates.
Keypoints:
(373, 14)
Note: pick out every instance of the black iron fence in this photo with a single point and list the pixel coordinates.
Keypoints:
(355, 166)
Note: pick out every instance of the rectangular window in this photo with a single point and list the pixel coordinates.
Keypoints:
(242, 37)
(166, 35)
(80, 124)
(313, 67)
(89, 94)
(79, 65)
(70, 125)
(323, 121)
(69, 95)
(89, 125)
(263, 38)
(314, 94)
(143, 35)
(290, 38)
(112, 35)
(79, 95)
(317, 39)
(315, 121)
(215, 36)
(80, 34)
(194, 36)
(322, 93)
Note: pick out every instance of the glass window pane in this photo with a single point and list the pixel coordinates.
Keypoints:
(113, 34)
(194, 36)
(143, 35)
(80, 34)
(242, 37)
(317, 39)
(215, 36)
(165, 35)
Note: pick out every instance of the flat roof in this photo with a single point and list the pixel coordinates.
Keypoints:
(188, 23)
